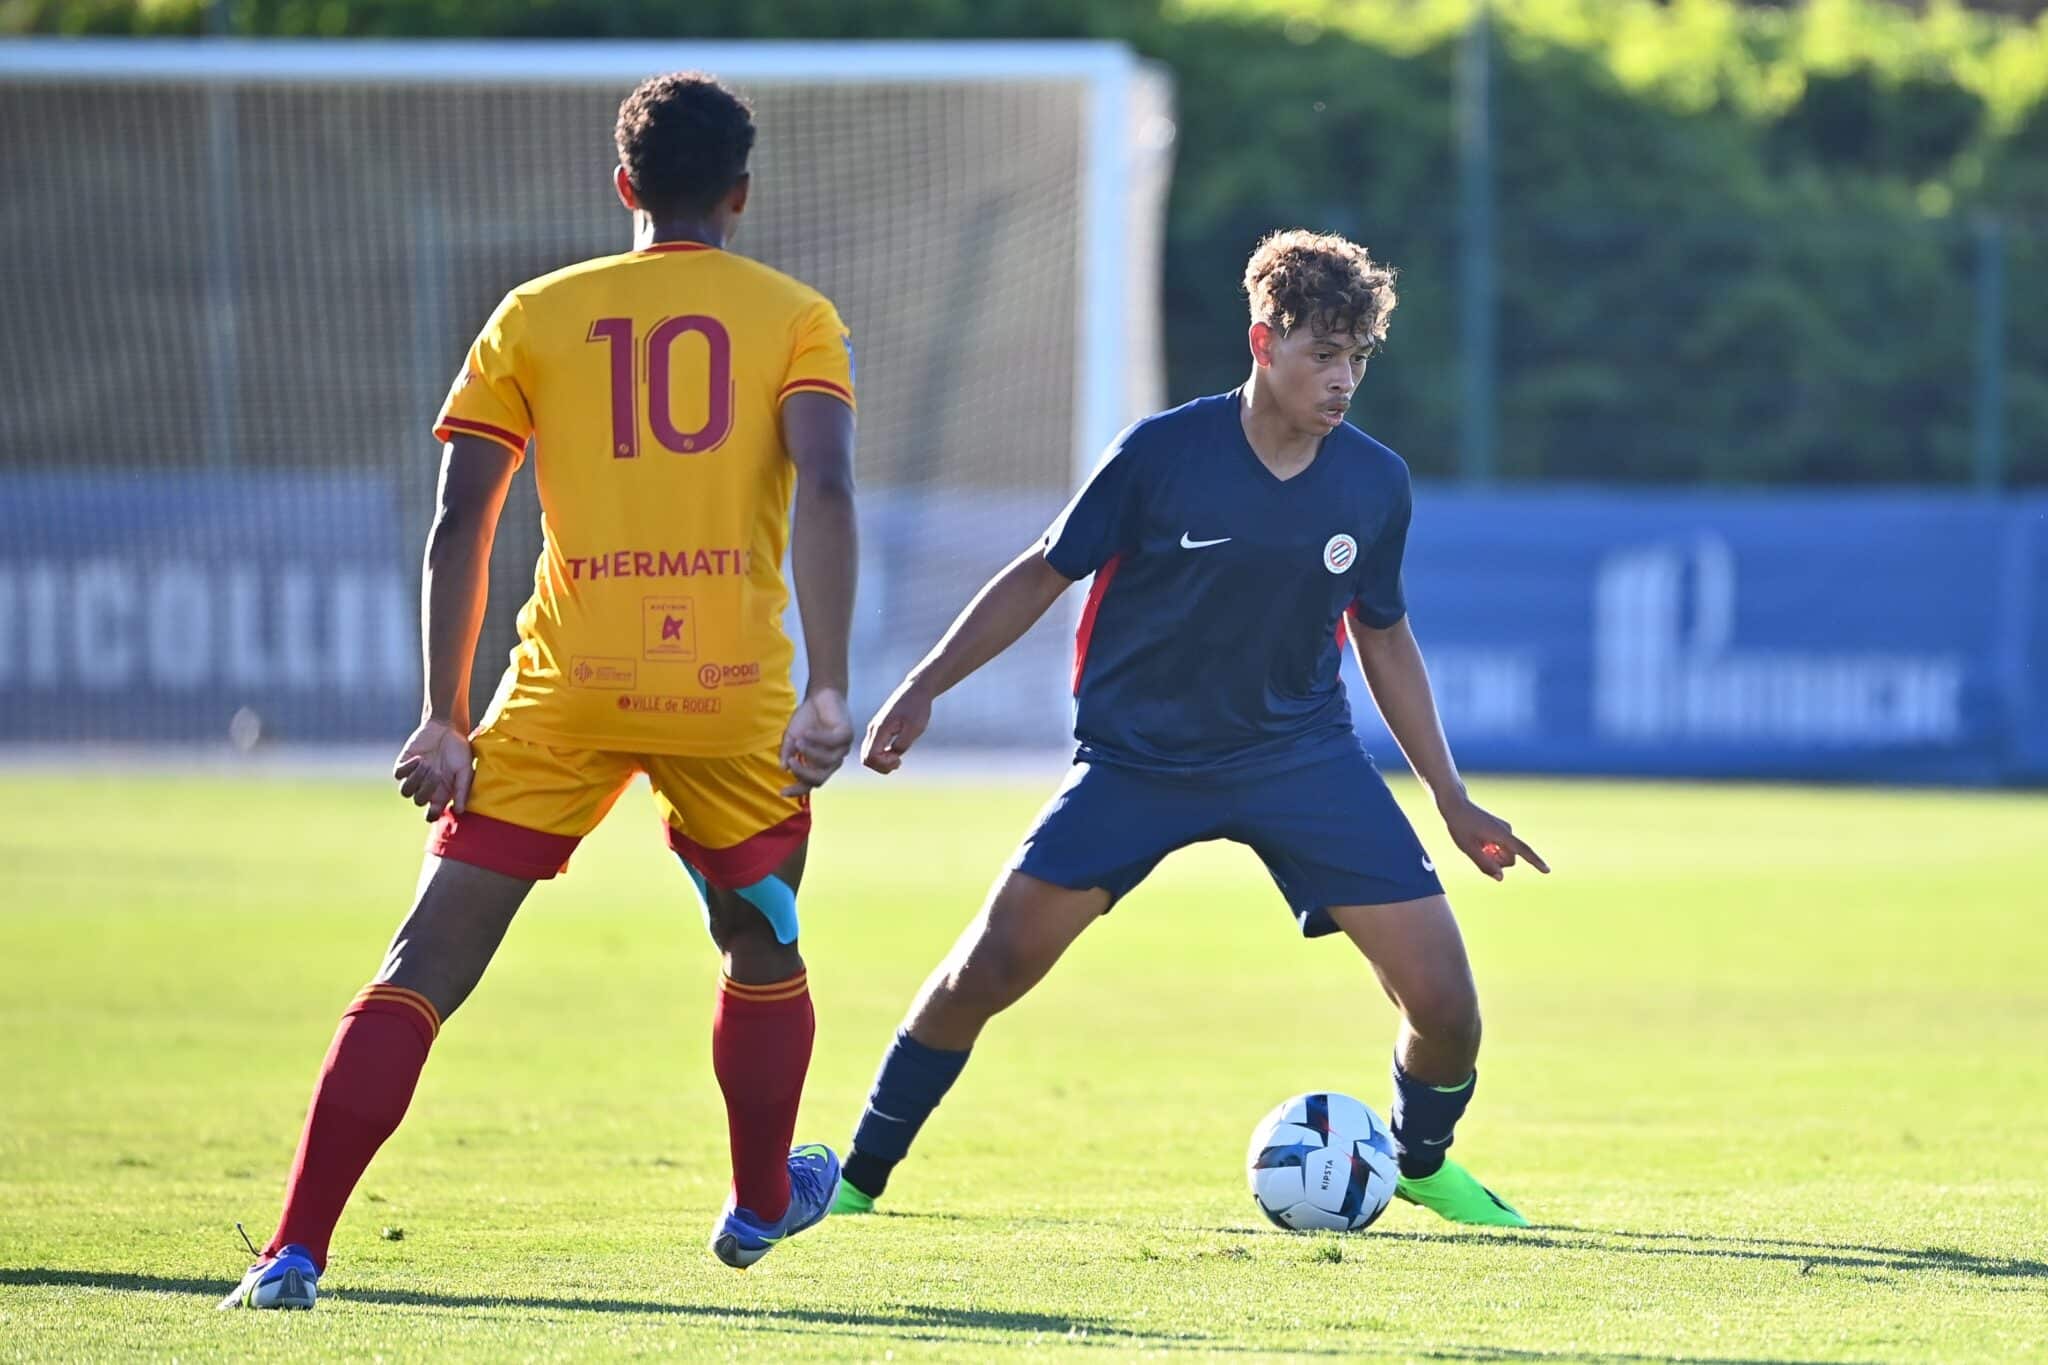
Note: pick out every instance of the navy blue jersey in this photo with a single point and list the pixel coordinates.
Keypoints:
(1210, 638)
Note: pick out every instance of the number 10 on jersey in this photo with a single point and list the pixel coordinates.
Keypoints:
(652, 357)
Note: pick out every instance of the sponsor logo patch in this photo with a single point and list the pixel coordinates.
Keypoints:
(668, 629)
(670, 706)
(728, 675)
(594, 672)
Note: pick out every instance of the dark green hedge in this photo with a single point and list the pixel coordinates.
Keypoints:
(1731, 245)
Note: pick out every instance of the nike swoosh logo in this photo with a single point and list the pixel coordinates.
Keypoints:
(1187, 544)
(1438, 1142)
(1427, 865)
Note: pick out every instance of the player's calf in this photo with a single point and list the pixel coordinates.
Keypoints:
(1008, 949)
(1440, 1029)
(762, 1031)
(913, 1078)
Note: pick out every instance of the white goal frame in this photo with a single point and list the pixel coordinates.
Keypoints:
(1115, 303)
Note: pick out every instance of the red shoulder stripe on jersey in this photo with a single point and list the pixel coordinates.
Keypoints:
(821, 385)
(1086, 630)
(512, 441)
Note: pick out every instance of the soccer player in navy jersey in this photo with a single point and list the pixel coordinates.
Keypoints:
(1231, 541)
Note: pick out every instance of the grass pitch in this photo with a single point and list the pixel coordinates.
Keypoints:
(1769, 1067)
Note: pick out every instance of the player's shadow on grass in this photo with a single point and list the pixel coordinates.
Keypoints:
(1484, 1354)
(1808, 1255)
(903, 1320)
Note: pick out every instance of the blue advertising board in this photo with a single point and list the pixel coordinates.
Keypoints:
(1882, 637)
(1876, 637)
(153, 607)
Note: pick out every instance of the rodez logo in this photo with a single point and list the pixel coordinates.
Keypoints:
(729, 675)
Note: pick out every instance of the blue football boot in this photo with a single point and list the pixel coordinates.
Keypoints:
(740, 1239)
(287, 1280)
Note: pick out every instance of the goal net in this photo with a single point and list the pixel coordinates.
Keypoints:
(241, 275)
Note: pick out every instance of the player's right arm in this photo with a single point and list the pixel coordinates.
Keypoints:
(484, 425)
(434, 768)
(1007, 605)
(1096, 525)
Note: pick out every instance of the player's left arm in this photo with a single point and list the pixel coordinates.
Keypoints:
(1392, 664)
(824, 551)
(1393, 668)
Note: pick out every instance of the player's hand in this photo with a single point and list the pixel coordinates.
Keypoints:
(1486, 839)
(435, 768)
(896, 727)
(817, 740)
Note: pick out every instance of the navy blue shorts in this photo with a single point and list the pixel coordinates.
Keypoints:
(1329, 832)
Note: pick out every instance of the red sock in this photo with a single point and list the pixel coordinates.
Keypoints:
(361, 1094)
(761, 1048)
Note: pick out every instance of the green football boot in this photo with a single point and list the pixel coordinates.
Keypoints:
(851, 1200)
(1453, 1194)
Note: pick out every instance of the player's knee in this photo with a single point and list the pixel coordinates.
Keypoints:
(1447, 1015)
(751, 950)
(762, 909)
(990, 977)
(734, 922)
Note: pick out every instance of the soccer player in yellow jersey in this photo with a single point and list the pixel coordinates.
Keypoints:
(675, 400)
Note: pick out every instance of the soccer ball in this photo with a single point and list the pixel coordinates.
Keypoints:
(1322, 1161)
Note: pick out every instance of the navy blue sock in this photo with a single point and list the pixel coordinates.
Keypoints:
(1424, 1116)
(912, 1081)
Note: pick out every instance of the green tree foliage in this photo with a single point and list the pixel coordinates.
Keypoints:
(1734, 244)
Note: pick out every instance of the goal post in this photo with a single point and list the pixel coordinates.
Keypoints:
(244, 272)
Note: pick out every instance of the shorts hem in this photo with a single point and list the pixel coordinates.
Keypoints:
(501, 846)
(746, 862)
(1316, 922)
(1065, 882)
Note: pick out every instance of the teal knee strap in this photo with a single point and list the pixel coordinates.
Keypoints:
(776, 899)
(772, 896)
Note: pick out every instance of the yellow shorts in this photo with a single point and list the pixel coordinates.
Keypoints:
(531, 804)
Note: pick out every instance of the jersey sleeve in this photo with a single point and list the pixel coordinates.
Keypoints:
(821, 360)
(486, 399)
(1381, 602)
(1102, 520)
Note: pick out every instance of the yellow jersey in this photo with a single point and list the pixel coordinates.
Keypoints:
(650, 385)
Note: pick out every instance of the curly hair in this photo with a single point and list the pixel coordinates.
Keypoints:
(684, 139)
(1318, 278)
